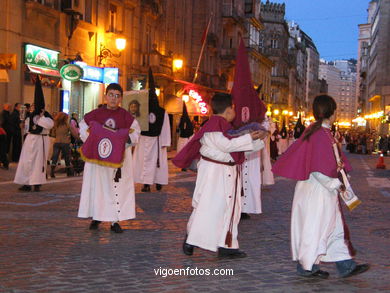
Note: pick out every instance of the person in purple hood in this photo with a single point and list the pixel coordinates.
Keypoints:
(318, 230)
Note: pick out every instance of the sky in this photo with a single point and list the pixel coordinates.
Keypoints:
(332, 24)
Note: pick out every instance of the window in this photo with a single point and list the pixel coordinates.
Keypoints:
(88, 11)
(112, 17)
(274, 44)
(248, 6)
(274, 71)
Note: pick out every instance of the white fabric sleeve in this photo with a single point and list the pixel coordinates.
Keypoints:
(165, 135)
(237, 144)
(134, 135)
(83, 130)
(332, 184)
(45, 122)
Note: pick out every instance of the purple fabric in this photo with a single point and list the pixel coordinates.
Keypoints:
(116, 119)
(312, 155)
(105, 147)
(248, 106)
(191, 150)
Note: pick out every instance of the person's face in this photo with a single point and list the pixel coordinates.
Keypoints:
(113, 99)
(230, 113)
(18, 107)
(133, 108)
(332, 118)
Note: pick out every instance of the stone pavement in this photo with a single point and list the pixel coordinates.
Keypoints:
(44, 247)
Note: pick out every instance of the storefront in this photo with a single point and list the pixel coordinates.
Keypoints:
(43, 62)
(86, 94)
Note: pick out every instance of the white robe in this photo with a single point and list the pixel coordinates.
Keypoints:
(317, 232)
(213, 198)
(145, 157)
(102, 198)
(181, 143)
(267, 177)
(251, 182)
(34, 155)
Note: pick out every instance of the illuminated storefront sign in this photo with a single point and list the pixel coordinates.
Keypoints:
(41, 57)
(202, 105)
(99, 74)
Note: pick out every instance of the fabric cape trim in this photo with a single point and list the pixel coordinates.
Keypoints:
(99, 162)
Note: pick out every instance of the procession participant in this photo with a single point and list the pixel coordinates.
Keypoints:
(33, 158)
(107, 192)
(283, 140)
(249, 108)
(150, 154)
(185, 129)
(217, 195)
(318, 230)
(299, 128)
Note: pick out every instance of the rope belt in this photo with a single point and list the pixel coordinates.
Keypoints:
(219, 162)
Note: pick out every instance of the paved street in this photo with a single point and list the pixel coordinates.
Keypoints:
(44, 247)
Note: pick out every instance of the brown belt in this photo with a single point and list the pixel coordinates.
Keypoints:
(218, 162)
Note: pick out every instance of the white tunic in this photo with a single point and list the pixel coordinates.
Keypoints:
(34, 155)
(102, 198)
(145, 157)
(181, 143)
(266, 171)
(251, 182)
(317, 232)
(213, 198)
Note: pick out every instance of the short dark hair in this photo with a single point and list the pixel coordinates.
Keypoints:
(115, 87)
(221, 101)
(27, 105)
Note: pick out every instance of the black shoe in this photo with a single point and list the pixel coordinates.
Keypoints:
(245, 216)
(146, 188)
(25, 188)
(116, 228)
(230, 253)
(320, 274)
(184, 169)
(94, 225)
(188, 249)
(358, 270)
(37, 188)
(158, 186)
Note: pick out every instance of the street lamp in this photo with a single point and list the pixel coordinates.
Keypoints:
(276, 112)
(177, 64)
(105, 52)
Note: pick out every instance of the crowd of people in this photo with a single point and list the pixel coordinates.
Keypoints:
(231, 165)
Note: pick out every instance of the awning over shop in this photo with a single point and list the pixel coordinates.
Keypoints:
(44, 71)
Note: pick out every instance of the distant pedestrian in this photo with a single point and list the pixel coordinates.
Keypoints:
(16, 132)
(319, 232)
(3, 146)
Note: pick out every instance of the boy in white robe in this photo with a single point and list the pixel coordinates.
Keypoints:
(108, 192)
(213, 224)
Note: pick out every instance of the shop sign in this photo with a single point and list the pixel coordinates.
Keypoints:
(110, 75)
(8, 61)
(98, 74)
(198, 99)
(41, 57)
(71, 72)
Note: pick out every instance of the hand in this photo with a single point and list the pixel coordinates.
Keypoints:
(42, 112)
(340, 166)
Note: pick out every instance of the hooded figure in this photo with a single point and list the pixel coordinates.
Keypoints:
(32, 164)
(150, 154)
(185, 129)
(299, 128)
(283, 141)
(249, 108)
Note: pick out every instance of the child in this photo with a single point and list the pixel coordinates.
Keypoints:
(217, 196)
(318, 230)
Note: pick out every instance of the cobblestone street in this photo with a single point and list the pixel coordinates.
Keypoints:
(44, 247)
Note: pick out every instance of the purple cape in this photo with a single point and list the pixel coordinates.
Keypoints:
(312, 155)
(191, 150)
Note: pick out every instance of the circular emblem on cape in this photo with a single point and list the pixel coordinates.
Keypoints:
(245, 114)
(105, 148)
(152, 118)
(110, 123)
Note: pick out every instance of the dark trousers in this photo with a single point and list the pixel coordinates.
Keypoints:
(64, 148)
(3, 150)
(14, 139)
